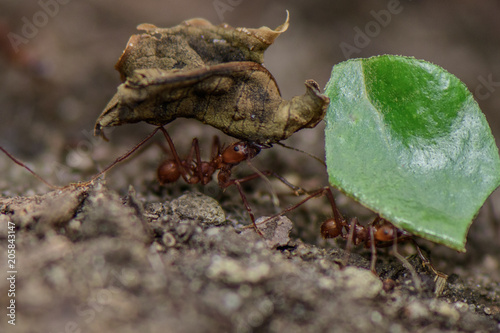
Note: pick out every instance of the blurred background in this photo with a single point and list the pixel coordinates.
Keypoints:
(57, 74)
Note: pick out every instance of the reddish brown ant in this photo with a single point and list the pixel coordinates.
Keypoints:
(192, 169)
(378, 233)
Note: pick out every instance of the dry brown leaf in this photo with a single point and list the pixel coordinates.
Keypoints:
(210, 73)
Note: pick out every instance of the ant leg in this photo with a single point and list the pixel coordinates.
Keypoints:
(427, 262)
(289, 209)
(199, 163)
(184, 173)
(406, 264)
(188, 161)
(320, 192)
(106, 169)
(373, 242)
(274, 197)
(373, 248)
(247, 206)
(121, 158)
(296, 189)
(337, 216)
(216, 148)
(350, 240)
(15, 160)
(264, 174)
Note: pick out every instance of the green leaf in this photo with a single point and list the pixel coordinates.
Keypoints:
(406, 139)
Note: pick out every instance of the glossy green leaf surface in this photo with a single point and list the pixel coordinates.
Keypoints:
(406, 139)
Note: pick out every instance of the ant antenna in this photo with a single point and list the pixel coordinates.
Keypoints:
(303, 152)
(27, 168)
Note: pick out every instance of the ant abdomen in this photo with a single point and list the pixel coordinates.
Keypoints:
(331, 229)
(168, 172)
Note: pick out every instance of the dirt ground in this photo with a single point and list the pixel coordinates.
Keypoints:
(125, 254)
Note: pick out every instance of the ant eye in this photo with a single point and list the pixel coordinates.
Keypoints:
(385, 234)
(240, 148)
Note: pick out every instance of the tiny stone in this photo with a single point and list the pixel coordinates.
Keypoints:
(326, 283)
(461, 306)
(376, 317)
(231, 301)
(199, 207)
(168, 239)
(276, 231)
(245, 290)
(255, 319)
(445, 309)
(360, 283)
(74, 224)
(182, 229)
(417, 310)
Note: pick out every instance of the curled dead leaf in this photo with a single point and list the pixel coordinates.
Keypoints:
(210, 73)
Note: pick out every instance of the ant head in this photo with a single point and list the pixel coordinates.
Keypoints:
(385, 233)
(239, 152)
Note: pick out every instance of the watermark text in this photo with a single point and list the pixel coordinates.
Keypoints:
(31, 26)
(11, 272)
(372, 29)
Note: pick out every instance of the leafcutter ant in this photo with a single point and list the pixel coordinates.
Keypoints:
(192, 169)
(379, 233)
